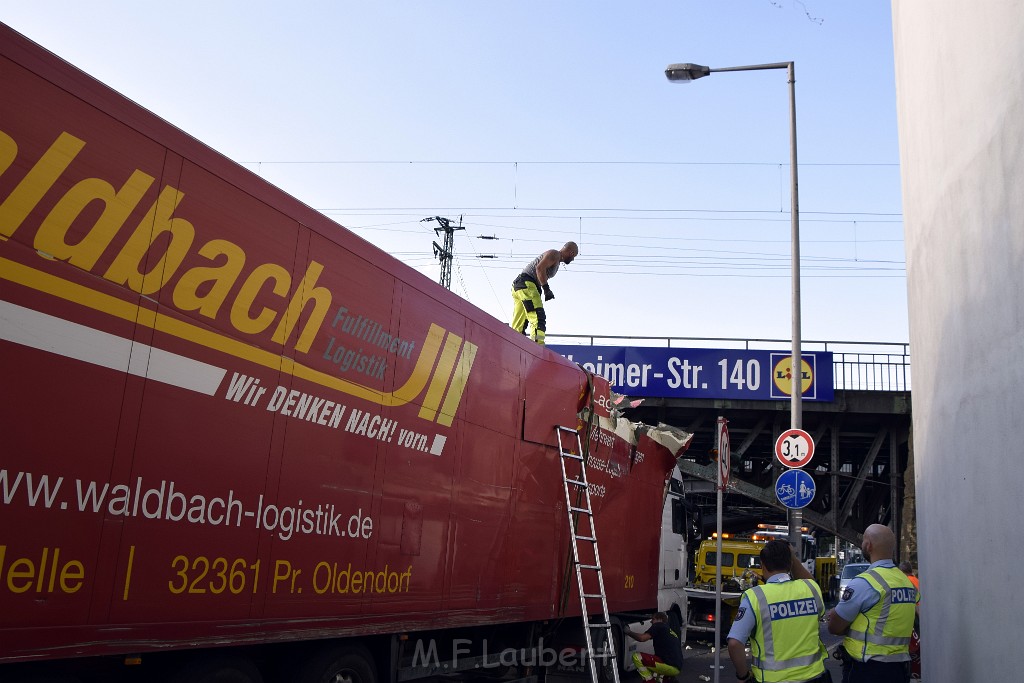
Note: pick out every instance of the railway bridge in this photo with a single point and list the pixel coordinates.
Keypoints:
(856, 406)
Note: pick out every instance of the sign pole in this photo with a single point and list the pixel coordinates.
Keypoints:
(718, 581)
(722, 447)
(796, 410)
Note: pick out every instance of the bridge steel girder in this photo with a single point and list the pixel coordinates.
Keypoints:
(849, 432)
(858, 482)
(737, 455)
(766, 496)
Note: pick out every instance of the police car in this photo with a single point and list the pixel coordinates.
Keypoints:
(849, 572)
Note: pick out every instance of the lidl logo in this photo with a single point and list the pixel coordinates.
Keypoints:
(782, 375)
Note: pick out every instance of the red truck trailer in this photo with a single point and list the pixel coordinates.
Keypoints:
(239, 443)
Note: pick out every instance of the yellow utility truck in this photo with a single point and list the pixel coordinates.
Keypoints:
(741, 569)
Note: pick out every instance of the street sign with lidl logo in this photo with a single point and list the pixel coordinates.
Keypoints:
(782, 375)
(757, 375)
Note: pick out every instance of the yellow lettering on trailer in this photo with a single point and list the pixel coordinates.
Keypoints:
(154, 253)
(156, 247)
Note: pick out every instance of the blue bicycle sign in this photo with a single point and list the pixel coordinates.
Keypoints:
(794, 489)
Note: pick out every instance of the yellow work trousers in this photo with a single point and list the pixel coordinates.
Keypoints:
(650, 667)
(528, 309)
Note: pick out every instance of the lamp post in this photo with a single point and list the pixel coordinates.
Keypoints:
(683, 73)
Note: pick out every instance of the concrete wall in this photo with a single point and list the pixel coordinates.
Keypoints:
(960, 94)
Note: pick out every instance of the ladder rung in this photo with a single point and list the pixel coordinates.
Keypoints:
(602, 655)
(583, 510)
(586, 538)
(577, 482)
(567, 454)
(590, 566)
(598, 625)
(593, 595)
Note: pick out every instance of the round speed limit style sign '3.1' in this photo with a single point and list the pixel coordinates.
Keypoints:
(794, 448)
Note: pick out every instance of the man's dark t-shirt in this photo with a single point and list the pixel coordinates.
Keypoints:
(666, 644)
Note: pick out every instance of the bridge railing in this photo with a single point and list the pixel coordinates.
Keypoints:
(856, 366)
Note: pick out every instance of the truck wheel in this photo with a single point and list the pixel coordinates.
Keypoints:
(348, 664)
(218, 670)
(676, 620)
(605, 666)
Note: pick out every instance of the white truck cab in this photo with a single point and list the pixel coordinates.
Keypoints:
(672, 571)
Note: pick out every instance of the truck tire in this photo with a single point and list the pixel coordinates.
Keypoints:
(218, 670)
(605, 673)
(676, 621)
(346, 664)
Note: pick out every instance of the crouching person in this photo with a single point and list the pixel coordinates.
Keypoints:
(667, 659)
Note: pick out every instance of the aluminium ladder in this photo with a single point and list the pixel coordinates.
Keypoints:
(584, 533)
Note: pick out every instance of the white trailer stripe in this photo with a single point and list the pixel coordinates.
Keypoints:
(37, 330)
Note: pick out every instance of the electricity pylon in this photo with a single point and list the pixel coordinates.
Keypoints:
(445, 253)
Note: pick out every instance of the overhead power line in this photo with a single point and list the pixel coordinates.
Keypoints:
(539, 162)
(576, 210)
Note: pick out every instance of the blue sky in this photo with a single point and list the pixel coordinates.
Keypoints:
(539, 122)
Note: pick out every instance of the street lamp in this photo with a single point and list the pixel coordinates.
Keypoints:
(684, 73)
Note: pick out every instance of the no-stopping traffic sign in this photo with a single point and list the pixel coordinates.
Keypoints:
(724, 452)
(794, 448)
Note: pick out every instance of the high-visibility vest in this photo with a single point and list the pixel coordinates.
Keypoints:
(882, 634)
(785, 644)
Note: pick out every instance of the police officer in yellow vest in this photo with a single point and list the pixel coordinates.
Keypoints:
(780, 618)
(876, 614)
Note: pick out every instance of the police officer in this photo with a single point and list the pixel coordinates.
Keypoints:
(780, 618)
(527, 304)
(876, 614)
